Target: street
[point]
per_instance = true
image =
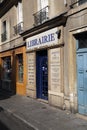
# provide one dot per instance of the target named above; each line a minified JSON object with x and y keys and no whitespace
{"x":9,"y":122}
{"x":24,"y":113}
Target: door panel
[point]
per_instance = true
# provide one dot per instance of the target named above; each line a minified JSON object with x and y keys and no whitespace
{"x":82,"y":82}
{"x":42,"y":75}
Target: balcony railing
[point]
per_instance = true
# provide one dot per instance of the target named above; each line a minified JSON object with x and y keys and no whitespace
{"x":41,"y":16}
{"x":3,"y":36}
{"x":18,"y":28}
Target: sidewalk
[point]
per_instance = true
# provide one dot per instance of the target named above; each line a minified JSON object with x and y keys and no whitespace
{"x":41,"y":116}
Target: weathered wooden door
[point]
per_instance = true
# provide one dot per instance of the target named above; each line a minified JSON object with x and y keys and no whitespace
{"x":82,"y":82}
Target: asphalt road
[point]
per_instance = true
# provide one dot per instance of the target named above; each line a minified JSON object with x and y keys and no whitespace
{"x":9,"y":122}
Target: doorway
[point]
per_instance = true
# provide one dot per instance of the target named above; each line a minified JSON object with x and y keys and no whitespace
{"x":42,"y":74}
{"x":82,"y":73}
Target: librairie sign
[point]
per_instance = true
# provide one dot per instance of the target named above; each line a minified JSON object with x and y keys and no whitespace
{"x":47,"y":38}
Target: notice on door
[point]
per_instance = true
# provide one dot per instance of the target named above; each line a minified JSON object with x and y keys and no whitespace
{"x":55,"y":69}
{"x":31,"y":69}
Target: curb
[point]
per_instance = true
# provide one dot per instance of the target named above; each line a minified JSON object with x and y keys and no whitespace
{"x":20,"y":118}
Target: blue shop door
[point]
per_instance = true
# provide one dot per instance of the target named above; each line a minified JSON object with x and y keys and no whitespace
{"x":82,"y":82}
{"x":42,"y":76}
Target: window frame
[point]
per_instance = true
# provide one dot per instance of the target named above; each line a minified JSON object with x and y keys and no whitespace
{"x":19,"y":74}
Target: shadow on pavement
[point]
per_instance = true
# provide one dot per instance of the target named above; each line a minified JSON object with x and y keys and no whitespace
{"x":1,"y":109}
{"x":4,"y":95}
{"x":2,"y":125}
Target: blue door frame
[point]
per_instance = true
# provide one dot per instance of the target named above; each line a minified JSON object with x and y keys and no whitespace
{"x":42,"y":75}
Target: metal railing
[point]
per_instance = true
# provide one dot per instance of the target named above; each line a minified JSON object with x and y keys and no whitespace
{"x":41,"y":16}
{"x":18,"y":28}
{"x":3,"y":36}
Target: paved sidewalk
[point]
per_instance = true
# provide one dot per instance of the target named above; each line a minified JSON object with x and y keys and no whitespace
{"x":41,"y":116}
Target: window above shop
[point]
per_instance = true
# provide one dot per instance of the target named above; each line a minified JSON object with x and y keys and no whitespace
{"x":42,"y":13}
{"x":82,"y":1}
{"x":4,"y":31}
{"x":18,"y":28}
{"x":75,"y":3}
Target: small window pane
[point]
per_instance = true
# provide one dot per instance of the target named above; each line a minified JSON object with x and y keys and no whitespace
{"x":7,"y":70}
{"x":82,"y":40}
{"x":82,"y":43}
{"x":20,"y":68}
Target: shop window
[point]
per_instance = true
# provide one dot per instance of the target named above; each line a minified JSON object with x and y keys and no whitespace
{"x":20,"y":68}
{"x":82,"y":40}
{"x":7,"y":69}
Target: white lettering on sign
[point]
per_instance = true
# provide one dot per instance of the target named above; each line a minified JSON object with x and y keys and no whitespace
{"x":48,"y":38}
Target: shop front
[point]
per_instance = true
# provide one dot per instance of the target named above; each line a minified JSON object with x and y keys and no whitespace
{"x":45,"y":66}
{"x":12,"y":71}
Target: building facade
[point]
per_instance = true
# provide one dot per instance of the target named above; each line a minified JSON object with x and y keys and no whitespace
{"x":76,"y":47}
{"x":45,"y":51}
{"x":47,"y":42}
{"x":12,"y":48}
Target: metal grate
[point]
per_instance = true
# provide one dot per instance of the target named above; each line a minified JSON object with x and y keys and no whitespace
{"x":41,"y":16}
{"x":3,"y":36}
{"x":18,"y":28}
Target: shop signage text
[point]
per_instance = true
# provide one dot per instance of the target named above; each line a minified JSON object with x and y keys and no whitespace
{"x":48,"y":38}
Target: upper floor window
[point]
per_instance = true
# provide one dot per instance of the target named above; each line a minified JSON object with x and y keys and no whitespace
{"x":42,"y":4}
{"x":19,"y":27}
{"x":42,"y":14}
{"x":82,"y":1}
{"x":19,"y":12}
{"x":4,"y":31}
{"x":77,"y":2}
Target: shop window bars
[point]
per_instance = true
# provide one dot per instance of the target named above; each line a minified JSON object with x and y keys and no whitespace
{"x":4,"y":36}
{"x":18,"y":28}
{"x":41,"y":16}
